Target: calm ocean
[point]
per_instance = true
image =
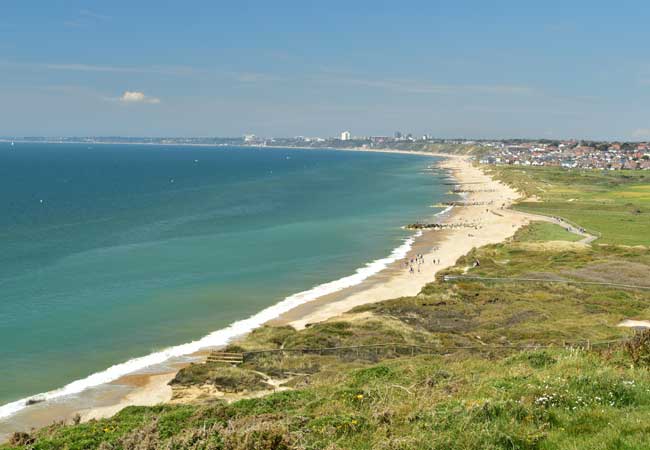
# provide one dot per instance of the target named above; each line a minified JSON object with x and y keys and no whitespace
{"x":111,"y":252}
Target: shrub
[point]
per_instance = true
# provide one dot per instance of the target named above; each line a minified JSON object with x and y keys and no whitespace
{"x":257,"y":433}
{"x":20,"y":438}
{"x":639,"y":348}
{"x":363,"y":377}
{"x":224,"y":378}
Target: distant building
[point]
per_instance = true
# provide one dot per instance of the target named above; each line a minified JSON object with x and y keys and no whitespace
{"x":398,"y":135}
{"x":345,"y":136}
{"x":250,"y":138}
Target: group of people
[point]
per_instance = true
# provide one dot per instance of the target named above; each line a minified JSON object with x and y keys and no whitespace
{"x":468,"y":203}
{"x":568,"y":226}
{"x":415,"y":263}
{"x":442,"y":226}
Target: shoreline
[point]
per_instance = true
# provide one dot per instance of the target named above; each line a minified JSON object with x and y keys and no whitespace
{"x":274,"y":147}
{"x":489,"y":223}
{"x":390,"y":282}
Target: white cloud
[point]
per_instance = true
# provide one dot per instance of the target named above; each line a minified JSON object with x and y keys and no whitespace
{"x":137,"y":97}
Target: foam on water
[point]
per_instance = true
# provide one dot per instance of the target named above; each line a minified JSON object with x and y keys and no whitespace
{"x":220,"y":337}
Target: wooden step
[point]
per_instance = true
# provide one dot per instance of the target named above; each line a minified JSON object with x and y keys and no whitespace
{"x":226,"y":357}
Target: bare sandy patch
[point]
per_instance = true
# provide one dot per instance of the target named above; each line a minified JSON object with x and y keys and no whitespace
{"x":635,"y":323}
{"x":553,"y":246}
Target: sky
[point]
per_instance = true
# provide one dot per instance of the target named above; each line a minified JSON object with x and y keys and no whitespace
{"x":473,"y":69}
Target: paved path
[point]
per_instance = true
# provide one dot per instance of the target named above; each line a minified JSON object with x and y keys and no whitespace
{"x":586,"y":237}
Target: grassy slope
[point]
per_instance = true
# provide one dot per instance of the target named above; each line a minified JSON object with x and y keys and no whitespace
{"x":484,"y":398}
{"x":544,"y":231}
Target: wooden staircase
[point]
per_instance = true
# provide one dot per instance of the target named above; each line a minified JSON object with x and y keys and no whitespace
{"x":226,"y":357}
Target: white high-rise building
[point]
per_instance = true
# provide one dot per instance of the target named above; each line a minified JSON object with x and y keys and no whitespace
{"x":345,"y":136}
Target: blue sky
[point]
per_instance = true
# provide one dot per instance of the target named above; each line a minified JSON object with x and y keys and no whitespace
{"x":285,"y":68}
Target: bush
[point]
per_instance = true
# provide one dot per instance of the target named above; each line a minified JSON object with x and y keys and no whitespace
{"x":364,"y":376}
{"x":639,"y":348}
{"x":257,"y":433}
{"x":224,"y":378}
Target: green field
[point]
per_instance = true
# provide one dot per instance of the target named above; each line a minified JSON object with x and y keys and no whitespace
{"x":615,"y":204}
{"x":509,"y":363}
{"x":544,"y":231}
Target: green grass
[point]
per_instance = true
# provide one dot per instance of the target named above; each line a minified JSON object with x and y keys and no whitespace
{"x":614,"y":204}
{"x":544,"y":231}
{"x":531,"y":400}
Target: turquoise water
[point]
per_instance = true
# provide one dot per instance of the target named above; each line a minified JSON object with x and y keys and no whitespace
{"x":112,"y":252}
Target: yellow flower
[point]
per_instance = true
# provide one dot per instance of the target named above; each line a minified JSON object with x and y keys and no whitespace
{"x":354,"y":422}
{"x":360,"y":396}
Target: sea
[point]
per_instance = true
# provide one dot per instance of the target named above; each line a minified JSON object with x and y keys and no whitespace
{"x":114,"y":258}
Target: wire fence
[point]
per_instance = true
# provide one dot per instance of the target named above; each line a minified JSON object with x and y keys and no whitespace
{"x":542,"y":280}
{"x":397,"y":349}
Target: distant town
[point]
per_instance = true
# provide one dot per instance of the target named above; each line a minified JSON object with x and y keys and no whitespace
{"x":570,"y":153}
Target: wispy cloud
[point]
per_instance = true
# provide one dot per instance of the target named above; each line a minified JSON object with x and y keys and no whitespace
{"x":255,"y":77}
{"x":495,"y":109}
{"x":80,"y":67}
{"x":86,"y":19}
{"x":641,"y":133}
{"x":419,"y":87}
{"x":94,"y":15}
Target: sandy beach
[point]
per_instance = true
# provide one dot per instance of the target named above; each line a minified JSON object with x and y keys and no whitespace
{"x":488,"y":222}
{"x":485,"y":220}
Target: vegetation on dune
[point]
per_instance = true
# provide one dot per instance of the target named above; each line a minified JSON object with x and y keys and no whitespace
{"x":223,"y":377}
{"x":530,"y":400}
{"x":580,"y":382}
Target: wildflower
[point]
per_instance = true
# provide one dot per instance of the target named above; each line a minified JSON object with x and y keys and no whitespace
{"x":360,"y":396}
